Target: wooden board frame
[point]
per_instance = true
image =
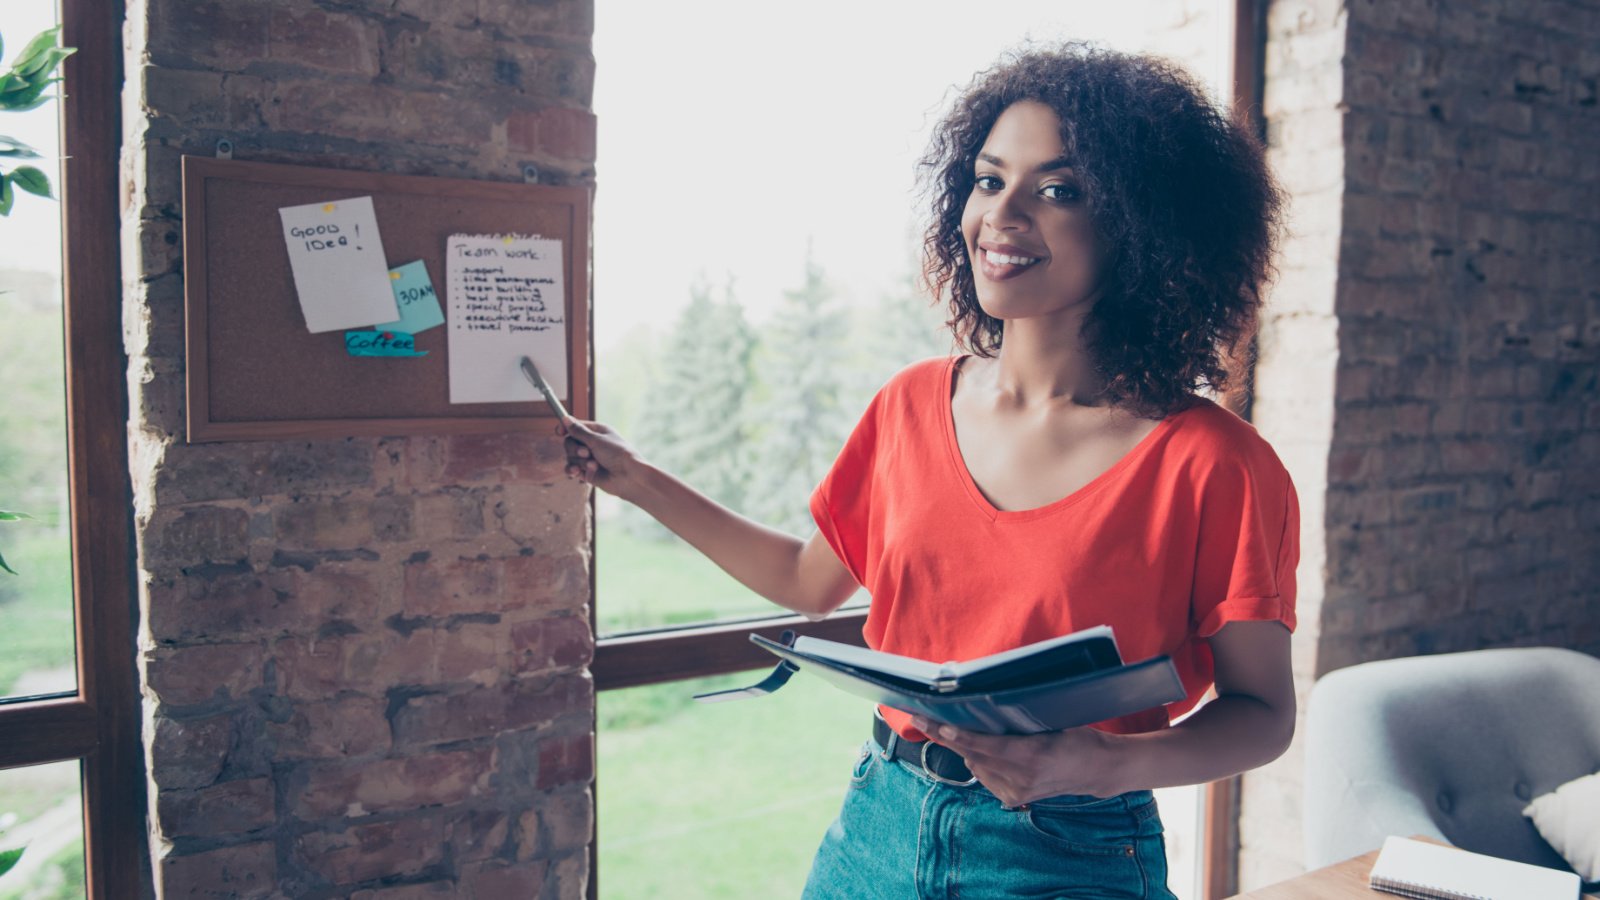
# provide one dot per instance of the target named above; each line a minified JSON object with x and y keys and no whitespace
{"x":231,"y":391}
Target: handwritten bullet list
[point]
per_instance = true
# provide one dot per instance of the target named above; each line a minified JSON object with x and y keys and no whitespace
{"x":493,"y":299}
{"x":506,"y":301}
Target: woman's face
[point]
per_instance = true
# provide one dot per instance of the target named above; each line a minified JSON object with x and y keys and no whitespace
{"x":1026,"y":222}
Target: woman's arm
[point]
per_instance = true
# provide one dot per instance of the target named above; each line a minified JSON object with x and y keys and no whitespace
{"x":804,"y":576}
{"x":1249,"y":724}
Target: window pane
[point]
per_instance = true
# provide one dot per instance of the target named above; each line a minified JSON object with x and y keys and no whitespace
{"x":721,"y":800}
{"x":755,"y":241}
{"x":41,"y":811}
{"x":755,"y":248}
{"x":35,"y":604}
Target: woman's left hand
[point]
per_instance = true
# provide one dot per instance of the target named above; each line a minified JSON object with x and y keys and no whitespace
{"x":1020,"y":769}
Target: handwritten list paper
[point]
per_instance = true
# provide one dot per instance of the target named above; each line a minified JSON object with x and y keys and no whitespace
{"x":339,"y":269}
{"x":506,"y":301}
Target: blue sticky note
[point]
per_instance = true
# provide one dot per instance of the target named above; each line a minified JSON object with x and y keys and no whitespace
{"x":381,"y":343}
{"x":419,"y":305}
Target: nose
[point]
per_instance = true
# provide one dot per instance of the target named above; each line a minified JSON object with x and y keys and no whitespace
{"x":1007,"y":213}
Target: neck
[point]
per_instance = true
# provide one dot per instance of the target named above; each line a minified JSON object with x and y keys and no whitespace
{"x":1045,"y":361}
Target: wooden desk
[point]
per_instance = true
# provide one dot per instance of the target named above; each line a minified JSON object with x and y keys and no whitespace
{"x":1340,"y":881}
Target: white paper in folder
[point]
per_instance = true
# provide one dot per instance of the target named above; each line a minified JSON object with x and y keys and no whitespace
{"x":507,"y":300}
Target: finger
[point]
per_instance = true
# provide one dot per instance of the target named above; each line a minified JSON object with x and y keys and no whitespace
{"x":965,"y":742}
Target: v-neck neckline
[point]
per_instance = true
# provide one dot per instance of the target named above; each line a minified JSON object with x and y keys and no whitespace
{"x":998,"y":515}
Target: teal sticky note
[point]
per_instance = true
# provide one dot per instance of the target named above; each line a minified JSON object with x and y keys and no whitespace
{"x":381,"y":343}
{"x":419,"y":305}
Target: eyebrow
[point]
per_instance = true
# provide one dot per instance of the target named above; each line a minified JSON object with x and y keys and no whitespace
{"x":1060,"y":162}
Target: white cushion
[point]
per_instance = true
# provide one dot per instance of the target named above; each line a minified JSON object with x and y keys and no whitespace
{"x":1568,"y":818}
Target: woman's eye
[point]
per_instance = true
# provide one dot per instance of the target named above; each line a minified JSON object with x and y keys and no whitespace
{"x":1062,"y":193}
{"x":987,"y":183}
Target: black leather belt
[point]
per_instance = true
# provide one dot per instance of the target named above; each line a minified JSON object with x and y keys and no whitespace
{"x":938,"y":761}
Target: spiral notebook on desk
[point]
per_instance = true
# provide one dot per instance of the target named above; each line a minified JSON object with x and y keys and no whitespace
{"x":1419,"y":869}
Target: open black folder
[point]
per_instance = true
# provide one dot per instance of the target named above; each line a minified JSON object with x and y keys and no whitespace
{"x":1060,"y":683}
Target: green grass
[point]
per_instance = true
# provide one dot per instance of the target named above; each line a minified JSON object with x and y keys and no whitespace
{"x":642,"y":583}
{"x":29,"y":792}
{"x":709,"y":801}
{"x":35,"y":604}
{"x":62,"y":878}
{"x":723,"y":800}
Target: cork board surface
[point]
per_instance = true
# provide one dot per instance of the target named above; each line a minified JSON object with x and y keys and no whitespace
{"x":253,"y":370}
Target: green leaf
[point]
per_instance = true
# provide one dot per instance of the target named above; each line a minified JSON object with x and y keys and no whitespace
{"x":34,"y":104}
{"x":10,"y":515}
{"x":42,"y":42}
{"x":46,"y":63}
{"x":12,"y":571}
{"x":7,"y":81}
{"x":20,"y":99}
{"x":32,"y":180}
{"x":9,"y":858}
{"x":7,"y":197}
{"x":10,"y":146}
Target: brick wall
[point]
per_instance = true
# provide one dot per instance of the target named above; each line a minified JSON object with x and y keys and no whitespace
{"x":364,"y":661}
{"x":1429,"y":365}
{"x":1463,"y":500}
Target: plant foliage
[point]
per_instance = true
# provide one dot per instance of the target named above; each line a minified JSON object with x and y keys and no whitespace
{"x":9,"y":859}
{"x":22,"y":87}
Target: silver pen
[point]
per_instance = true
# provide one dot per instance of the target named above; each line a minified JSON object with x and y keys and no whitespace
{"x":537,"y":380}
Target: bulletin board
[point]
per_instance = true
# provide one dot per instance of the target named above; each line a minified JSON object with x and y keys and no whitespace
{"x":254,"y":371}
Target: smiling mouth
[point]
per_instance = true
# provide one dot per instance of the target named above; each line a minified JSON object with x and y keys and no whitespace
{"x":997,"y":266}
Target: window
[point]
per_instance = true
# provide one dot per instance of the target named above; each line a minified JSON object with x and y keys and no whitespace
{"x":76,"y":728}
{"x":755,"y":256}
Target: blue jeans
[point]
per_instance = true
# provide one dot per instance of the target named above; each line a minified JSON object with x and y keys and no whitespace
{"x":903,"y":836}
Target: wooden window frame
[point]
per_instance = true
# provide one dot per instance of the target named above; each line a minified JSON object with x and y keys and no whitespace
{"x":675,"y":654}
{"x":99,"y":726}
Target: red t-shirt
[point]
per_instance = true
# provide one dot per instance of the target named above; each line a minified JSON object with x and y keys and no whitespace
{"x":1196,"y":527}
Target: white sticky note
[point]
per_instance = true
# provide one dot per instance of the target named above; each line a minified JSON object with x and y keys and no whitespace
{"x":339,"y":268}
{"x":506,"y":300}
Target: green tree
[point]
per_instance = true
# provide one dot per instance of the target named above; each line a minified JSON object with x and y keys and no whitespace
{"x":799,"y":423}
{"x":691,"y":417}
{"x":901,"y":327}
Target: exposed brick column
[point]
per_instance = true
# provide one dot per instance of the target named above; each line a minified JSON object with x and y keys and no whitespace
{"x":364,"y":660}
{"x":1464,"y":497}
{"x":1429,"y":367}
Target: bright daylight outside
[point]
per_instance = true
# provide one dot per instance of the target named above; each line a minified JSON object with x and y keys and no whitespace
{"x":756,"y":239}
{"x":39,"y":805}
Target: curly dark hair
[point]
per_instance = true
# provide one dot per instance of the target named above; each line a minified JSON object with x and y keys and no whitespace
{"x":1180,"y":197}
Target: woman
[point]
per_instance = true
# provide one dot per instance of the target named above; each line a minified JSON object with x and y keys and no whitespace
{"x":1101,"y":234}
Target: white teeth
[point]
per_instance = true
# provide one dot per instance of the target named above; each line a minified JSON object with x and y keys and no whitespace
{"x":1004,"y":260}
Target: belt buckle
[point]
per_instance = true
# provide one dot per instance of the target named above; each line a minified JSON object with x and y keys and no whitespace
{"x":940,"y":778}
